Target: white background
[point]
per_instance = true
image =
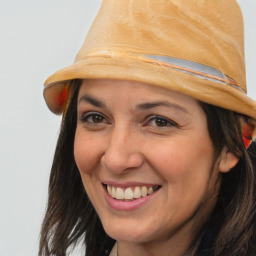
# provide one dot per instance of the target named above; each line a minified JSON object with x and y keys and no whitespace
{"x":38,"y":37}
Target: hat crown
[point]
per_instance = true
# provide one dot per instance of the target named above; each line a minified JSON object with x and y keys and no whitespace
{"x":209,"y":32}
{"x":195,"y":47}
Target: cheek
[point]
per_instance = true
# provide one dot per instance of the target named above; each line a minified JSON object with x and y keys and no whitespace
{"x":86,"y":152}
{"x":185,"y":165}
{"x":87,"y":158}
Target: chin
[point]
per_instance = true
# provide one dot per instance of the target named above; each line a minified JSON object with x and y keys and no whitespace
{"x":129,"y":232}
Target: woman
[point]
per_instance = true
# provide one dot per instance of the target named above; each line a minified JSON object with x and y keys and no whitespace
{"x":152,"y":156}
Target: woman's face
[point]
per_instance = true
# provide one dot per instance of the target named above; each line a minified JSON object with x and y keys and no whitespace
{"x":146,"y":159}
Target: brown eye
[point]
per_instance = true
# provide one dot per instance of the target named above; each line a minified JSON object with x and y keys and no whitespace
{"x":161,"y":122}
{"x":97,"y":119}
{"x":93,"y":118}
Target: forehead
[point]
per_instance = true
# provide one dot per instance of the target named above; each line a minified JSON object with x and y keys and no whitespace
{"x":114,"y":90}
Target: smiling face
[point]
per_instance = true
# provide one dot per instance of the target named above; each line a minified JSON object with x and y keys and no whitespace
{"x":146,"y":160}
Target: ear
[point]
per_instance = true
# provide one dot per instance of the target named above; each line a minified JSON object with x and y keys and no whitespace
{"x":227,"y":160}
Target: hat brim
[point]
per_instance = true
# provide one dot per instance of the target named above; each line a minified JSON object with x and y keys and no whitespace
{"x":115,"y":67}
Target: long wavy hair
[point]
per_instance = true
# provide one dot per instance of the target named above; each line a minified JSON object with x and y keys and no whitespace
{"x":70,"y":216}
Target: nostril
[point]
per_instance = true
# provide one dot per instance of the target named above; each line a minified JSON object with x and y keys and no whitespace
{"x":122,"y":161}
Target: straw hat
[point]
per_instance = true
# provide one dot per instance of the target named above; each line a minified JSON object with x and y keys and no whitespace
{"x":195,"y":47}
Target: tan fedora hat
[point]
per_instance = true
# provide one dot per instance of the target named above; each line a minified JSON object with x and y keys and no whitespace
{"x":195,"y":47}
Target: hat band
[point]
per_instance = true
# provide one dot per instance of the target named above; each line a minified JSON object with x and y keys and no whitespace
{"x":185,"y":66}
{"x":196,"y":69}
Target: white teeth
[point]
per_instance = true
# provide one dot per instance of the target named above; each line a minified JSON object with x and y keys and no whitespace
{"x":129,"y":193}
{"x":109,"y":189}
{"x":119,"y":193}
{"x":144,"y":191}
{"x":137,"y":192}
{"x":113,"y":192}
{"x":150,"y":191}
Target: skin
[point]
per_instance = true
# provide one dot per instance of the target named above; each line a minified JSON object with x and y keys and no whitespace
{"x":119,"y":140}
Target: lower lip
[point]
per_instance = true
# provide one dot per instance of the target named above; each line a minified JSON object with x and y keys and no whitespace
{"x":128,"y":205}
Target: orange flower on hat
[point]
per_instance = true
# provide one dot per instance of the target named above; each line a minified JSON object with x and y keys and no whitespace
{"x":248,"y":132}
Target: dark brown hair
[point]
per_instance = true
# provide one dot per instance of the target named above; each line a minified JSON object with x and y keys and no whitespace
{"x":235,"y":207}
{"x":70,"y":215}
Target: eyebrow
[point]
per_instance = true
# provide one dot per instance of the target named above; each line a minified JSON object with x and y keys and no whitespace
{"x":150,"y":105}
{"x":92,"y":100}
{"x":142,"y":106}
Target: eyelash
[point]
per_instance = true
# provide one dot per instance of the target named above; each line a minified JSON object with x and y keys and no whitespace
{"x":165,"y":121}
{"x":168,"y":122}
{"x":85,"y":118}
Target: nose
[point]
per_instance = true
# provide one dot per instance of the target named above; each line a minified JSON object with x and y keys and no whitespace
{"x":122,"y":152}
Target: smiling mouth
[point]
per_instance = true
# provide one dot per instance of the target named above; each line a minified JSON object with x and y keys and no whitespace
{"x":130,"y":193}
